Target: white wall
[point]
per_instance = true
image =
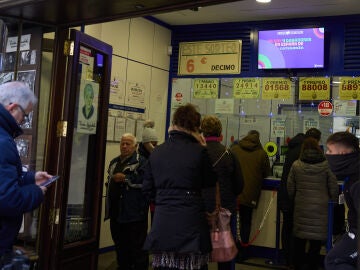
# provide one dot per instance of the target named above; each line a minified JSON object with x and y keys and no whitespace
{"x":139,"y":56}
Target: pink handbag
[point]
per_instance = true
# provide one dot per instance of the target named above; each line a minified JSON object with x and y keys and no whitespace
{"x":223,"y":244}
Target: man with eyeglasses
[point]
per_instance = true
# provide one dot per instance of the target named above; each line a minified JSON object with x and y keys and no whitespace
{"x":20,"y":192}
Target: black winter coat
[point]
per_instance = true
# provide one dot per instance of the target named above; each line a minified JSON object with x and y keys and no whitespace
{"x":228,"y":174}
{"x":177,"y":172}
{"x":283,"y":202}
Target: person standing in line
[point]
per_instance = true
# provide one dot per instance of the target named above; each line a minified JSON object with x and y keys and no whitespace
{"x":283,"y":201}
{"x":255,"y":165}
{"x":126,"y":206}
{"x":149,"y":139}
{"x":343,"y":155}
{"x":228,"y":174}
{"x":147,"y":145}
{"x":20,"y":191}
{"x":311,"y":185}
{"x":177,"y":172}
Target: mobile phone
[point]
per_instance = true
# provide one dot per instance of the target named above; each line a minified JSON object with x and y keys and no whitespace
{"x":50,"y":181}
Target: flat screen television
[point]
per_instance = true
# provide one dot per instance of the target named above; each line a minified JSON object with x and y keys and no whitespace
{"x":291,"y":48}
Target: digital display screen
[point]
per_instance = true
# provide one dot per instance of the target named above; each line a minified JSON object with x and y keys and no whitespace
{"x":291,"y":48}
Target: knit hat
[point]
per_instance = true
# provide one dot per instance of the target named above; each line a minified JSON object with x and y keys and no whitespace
{"x":149,"y":133}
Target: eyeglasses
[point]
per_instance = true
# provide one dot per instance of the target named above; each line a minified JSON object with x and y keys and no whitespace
{"x":25,"y":115}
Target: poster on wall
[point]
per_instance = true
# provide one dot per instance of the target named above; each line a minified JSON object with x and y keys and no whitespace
{"x":28,"y":58}
{"x":110,"y":128}
{"x":12,"y":43}
{"x":6,"y":77}
{"x":276,"y":88}
{"x":248,"y":88}
{"x":345,"y":107}
{"x":224,"y":106}
{"x":135,"y":94}
{"x":349,"y":88}
{"x":23,"y":145}
{"x":315,"y":88}
{"x":87,"y":61}
{"x":117,"y":91}
{"x":310,"y":122}
{"x":88,"y":103}
{"x":206,"y":88}
{"x":8,"y":61}
{"x":28,"y":77}
{"x":278,"y":126}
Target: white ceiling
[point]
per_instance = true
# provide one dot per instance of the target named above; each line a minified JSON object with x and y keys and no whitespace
{"x":250,"y":10}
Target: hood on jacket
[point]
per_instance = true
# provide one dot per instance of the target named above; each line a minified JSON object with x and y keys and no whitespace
{"x":250,"y":142}
{"x":297,"y":140}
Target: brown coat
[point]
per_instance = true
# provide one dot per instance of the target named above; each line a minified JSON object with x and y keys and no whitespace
{"x":255,"y":166}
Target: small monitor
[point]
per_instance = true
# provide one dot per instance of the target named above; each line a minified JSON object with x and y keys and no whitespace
{"x":291,"y":48}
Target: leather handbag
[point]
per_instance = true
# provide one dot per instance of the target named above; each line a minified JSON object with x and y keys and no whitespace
{"x":223,"y":244}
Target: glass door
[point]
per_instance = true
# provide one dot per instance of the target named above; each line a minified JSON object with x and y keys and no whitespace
{"x":77,"y":153}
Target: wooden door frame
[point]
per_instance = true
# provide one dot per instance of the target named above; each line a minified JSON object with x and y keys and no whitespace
{"x":58,"y":151}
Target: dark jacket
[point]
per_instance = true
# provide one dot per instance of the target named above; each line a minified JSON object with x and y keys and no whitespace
{"x":177,"y":172}
{"x":142,"y":151}
{"x":346,"y":168}
{"x":124,"y":201}
{"x":229,"y":176}
{"x":311,"y":185}
{"x":18,"y":192}
{"x":284,"y":203}
{"x":255,"y":166}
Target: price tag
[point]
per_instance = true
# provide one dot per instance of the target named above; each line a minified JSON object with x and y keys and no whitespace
{"x":206,"y":88}
{"x":276,"y":88}
{"x":349,"y":88}
{"x":314,"y":88}
{"x":246,"y":88}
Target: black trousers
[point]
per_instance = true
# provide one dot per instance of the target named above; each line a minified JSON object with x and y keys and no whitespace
{"x":129,"y":239}
{"x":306,"y":260}
{"x":287,"y":237}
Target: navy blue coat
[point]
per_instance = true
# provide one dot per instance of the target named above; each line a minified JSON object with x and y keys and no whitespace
{"x":177,"y":172}
{"x":18,"y":192}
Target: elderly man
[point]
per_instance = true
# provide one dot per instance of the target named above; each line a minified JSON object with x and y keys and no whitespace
{"x":20,"y":192}
{"x":126,"y":207}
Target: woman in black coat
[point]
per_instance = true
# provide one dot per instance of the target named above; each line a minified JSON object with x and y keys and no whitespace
{"x":177,"y":172}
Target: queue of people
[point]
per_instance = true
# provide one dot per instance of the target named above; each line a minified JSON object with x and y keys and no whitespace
{"x":178,"y":177}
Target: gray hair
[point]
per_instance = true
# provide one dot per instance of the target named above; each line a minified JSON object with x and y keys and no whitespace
{"x":131,"y":136}
{"x":16,"y":92}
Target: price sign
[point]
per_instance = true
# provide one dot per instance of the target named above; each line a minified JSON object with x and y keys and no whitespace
{"x":325,"y":108}
{"x":246,"y":88}
{"x":206,"y":88}
{"x":349,"y":88}
{"x":276,"y":88}
{"x":314,"y":88}
{"x":210,"y":57}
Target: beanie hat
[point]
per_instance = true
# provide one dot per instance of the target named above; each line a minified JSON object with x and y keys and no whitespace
{"x":149,"y":133}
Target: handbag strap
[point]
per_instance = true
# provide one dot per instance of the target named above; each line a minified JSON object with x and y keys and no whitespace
{"x":217,"y":194}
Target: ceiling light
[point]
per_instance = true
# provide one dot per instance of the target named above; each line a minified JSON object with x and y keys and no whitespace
{"x":263,"y":1}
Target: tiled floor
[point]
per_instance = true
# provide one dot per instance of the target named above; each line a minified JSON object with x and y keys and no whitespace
{"x":107,"y":262}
